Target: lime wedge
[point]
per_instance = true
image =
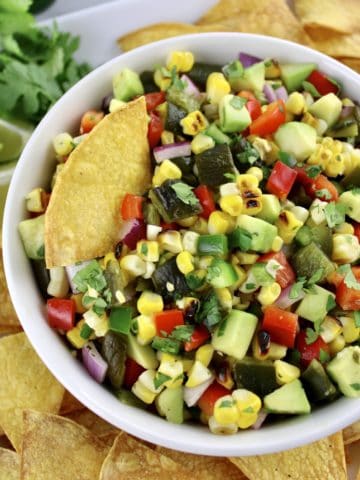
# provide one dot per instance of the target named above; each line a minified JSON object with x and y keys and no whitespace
{"x":12,"y":140}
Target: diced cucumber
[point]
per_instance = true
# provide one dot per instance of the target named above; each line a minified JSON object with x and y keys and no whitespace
{"x":270,"y":208}
{"x":315,"y":305}
{"x":216,"y":244}
{"x":127,"y":85}
{"x":304,"y":236}
{"x":290,"y":398}
{"x":144,"y":355}
{"x":258,"y":376}
{"x":252,"y":79}
{"x":262,"y":233}
{"x":222,"y":274}
{"x":344,"y":369}
{"x":32,"y":232}
{"x":170,"y":404}
{"x":327,"y":107}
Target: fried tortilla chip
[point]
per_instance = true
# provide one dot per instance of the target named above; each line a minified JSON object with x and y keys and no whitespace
{"x":57,"y":448}
{"x":83,"y":217}
{"x":324,"y":459}
{"x":336,"y":45}
{"x":92,"y":422}
{"x":229,"y":8}
{"x":25,"y":383}
{"x":353,"y":63}
{"x":211,"y":468}
{"x":128,"y":458}
{"x":9,"y":465}
{"x":70,"y":404}
{"x":9,"y":322}
{"x":159,"y":31}
{"x":334,"y":15}
{"x":352,"y":433}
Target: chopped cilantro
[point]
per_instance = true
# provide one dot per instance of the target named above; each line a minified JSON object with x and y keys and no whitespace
{"x":324,"y":356}
{"x":182,"y":333}
{"x":226,"y":404}
{"x":233,"y":69}
{"x":323,"y":193}
{"x":355,"y":190}
{"x":41,"y":251}
{"x":90,"y":276}
{"x":334,"y":214}
{"x":355,"y":386}
{"x":194,"y":281}
{"x":166,"y":345}
{"x":248,"y":410}
{"x":250,"y":286}
{"x":213,"y":271}
{"x":311,"y":336}
{"x":238,"y":102}
{"x":86,"y":331}
{"x":230,"y":176}
{"x":209,"y":312}
{"x":184,"y":193}
{"x":99,"y":306}
{"x":315,"y":277}
{"x":144,"y":249}
{"x":349,"y":279}
{"x":297,"y":288}
{"x":160,"y":379}
{"x":357,"y":319}
{"x":330,"y":304}
{"x":313,"y":171}
{"x":309,"y":87}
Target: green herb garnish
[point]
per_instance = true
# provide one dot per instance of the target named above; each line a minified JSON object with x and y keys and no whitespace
{"x":238,"y":102}
{"x":182,"y":333}
{"x":90,"y":276}
{"x":313,"y":171}
{"x":309,"y":87}
{"x":160,"y":379}
{"x":349,"y":279}
{"x":357,"y":319}
{"x":209,"y":312}
{"x":323,"y":356}
{"x":334,"y":214}
{"x":184,"y":193}
{"x":355,"y":386}
{"x":166,"y":345}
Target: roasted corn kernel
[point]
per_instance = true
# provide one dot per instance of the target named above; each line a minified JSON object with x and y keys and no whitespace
{"x":295,"y":103}
{"x":190,"y":240}
{"x":34,"y":201}
{"x":220,"y":222}
{"x":182,"y":61}
{"x":248,"y":405}
{"x":133,"y":264}
{"x":350,"y":331}
{"x":232,"y":204}
{"x":167,"y":137}
{"x":146,"y":329}
{"x":170,"y":241}
{"x":194,"y":123}
{"x":148,"y":250}
{"x":217,"y":87}
{"x":246,"y":182}
{"x":149,"y":303}
{"x":346,"y":248}
{"x":288,"y":225}
{"x":268,"y":294}
{"x":166,"y":171}
{"x":100,"y":324}
{"x":219,"y":429}
{"x":328,"y":154}
{"x":63,"y":144}
{"x":185,"y":262}
{"x":198,"y":374}
{"x":225,"y":411}
{"x":174,"y":370}
{"x":140,"y":391}
{"x":256,"y":172}
{"x":201,"y":142}
{"x":229,"y":189}
{"x":330,"y":329}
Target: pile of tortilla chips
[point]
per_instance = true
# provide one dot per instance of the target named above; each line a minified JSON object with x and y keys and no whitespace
{"x":331,"y":26}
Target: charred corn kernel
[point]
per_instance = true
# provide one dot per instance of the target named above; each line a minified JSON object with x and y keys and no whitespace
{"x":77,"y":298}
{"x":246,"y":182}
{"x":240,"y":272}
{"x":185,"y":262}
{"x":247,"y":258}
{"x":146,"y":329}
{"x":133,"y":264}
{"x":174,"y":370}
{"x":225,"y":298}
{"x":232,"y":204}
{"x":200,"y":226}
{"x":285,"y":372}
{"x":63,"y":144}
{"x":344,"y":228}
{"x":346,"y":248}
{"x":201,"y":142}
{"x":246,"y":420}
{"x":188,"y":222}
{"x":256,"y":172}
{"x":198,"y":374}
{"x":186,"y":302}
{"x":147,"y":380}
{"x":295,"y":103}
{"x":170,"y":241}
{"x":162,"y":79}
{"x":229,"y":189}
{"x":100,"y":324}
{"x":219,"y":429}
{"x":330,"y":329}
{"x":225,"y":411}
{"x":34,"y":201}
{"x":220,"y":222}
{"x":268,"y":294}
{"x":317,"y":123}
{"x":166,"y":171}
{"x":300,"y":213}
{"x":246,"y":401}
{"x":217,"y":87}
{"x":337,"y":345}
{"x":167,"y":137}
{"x":116,"y":105}
{"x":190,"y":240}
{"x":182,"y":61}
{"x":140,"y":391}
{"x":350,"y":331}
{"x":148,"y":250}
{"x":74,"y":337}
{"x":317,"y":211}
{"x":149,"y":303}
{"x":204,"y":354}
{"x":277,"y":244}
{"x":263,"y":147}
{"x":288,"y":225}
{"x":187,"y":364}
{"x":252,"y":201}
{"x":194,"y":123}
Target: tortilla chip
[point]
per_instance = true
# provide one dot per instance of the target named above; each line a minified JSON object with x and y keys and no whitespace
{"x":9,"y":465}
{"x":129,"y":458}
{"x":92,"y":422}
{"x":25,"y":383}
{"x":211,"y":468}
{"x":9,"y":322}
{"x":353,"y":63}
{"x":159,"y":31}
{"x":334,"y":15}
{"x":324,"y":459}
{"x":83,"y":217}
{"x":70,"y":404}
{"x":5,"y":443}
{"x":229,"y":8}
{"x":336,"y":45}
{"x":352,"y":433}
{"x":57,"y":448}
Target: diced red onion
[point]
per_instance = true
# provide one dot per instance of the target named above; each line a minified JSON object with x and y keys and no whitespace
{"x":346,"y":111}
{"x":94,"y":363}
{"x":191,"y":88}
{"x":248,"y":60}
{"x":260,"y":420}
{"x":269,"y":93}
{"x":71,"y":271}
{"x":192,"y":394}
{"x":284,"y":301}
{"x":131,"y":231}
{"x":172,"y":150}
{"x":281,"y":93}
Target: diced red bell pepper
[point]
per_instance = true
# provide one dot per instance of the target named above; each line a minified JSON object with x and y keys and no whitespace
{"x":357,"y":230}
{"x":253,"y":105}
{"x":349,"y":298}
{"x":155,"y":129}
{"x":207,"y":400}
{"x":281,"y":325}
{"x":269,"y":121}
{"x":132,"y":372}
{"x":322,"y":84}
{"x":335,"y":278}
{"x":167,"y":320}
{"x":154,"y":99}
{"x":309,"y":351}
{"x":318,"y":187}
{"x":281,"y":180}
{"x":169,"y":226}
{"x":198,"y":337}
{"x":61,"y":313}
{"x":285,"y":276}
{"x":131,"y":207}
{"x":89,"y":120}
{"x":206,"y":199}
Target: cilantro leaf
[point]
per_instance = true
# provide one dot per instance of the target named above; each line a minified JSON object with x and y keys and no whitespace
{"x":334,"y":214}
{"x":166,"y":345}
{"x":238,"y":102}
{"x":194,"y":281}
{"x":90,"y":276}
{"x":313,"y":171}
{"x":160,"y":378}
{"x":324,"y":356}
{"x":323,"y":194}
{"x":296,"y":289}
{"x":226,"y":404}
{"x":330,"y":304}
{"x":184,"y":193}
{"x":209,"y":312}
{"x":230,"y":176}
{"x":349,"y":279}
{"x":357,"y":319}
{"x":233,"y":69}
{"x":355,"y":386}
{"x":311,"y":336}
{"x":182,"y":333}
{"x":287,"y":159}
{"x":315,"y":277}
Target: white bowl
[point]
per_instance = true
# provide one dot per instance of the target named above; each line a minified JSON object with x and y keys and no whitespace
{"x":34,"y":169}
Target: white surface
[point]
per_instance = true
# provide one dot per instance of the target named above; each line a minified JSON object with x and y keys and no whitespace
{"x":34,"y":169}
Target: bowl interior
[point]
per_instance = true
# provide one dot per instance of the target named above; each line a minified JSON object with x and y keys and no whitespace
{"x":34,"y":169}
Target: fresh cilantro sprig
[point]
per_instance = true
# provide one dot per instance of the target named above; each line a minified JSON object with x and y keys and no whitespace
{"x":185,"y":193}
{"x":349,"y":278}
{"x":303,"y":283}
{"x":334,"y":214}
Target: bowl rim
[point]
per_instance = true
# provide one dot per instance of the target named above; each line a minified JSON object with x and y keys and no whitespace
{"x":150,"y":427}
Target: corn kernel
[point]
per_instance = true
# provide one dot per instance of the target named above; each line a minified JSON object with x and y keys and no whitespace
{"x":252,"y":199}
{"x":34,"y":201}
{"x":77,"y":298}
{"x":194,"y":123}
{"x":285,"y":372}
{"x":232,"y":204}
{"x":295,"y":103}
{"x":146,"y":329}
{"x":225,"y":298}
{"x":268,"y":294}
{"x":63,"y":144}
{"x":201,"y":142}
{"x":329,"y":155}
{"x":246,"y":182}
{"x":220,"y":222}
{"x":188,"y":222}
{"x":317,"y":211}
{"x":350,"y":331}
{"x":166,"y":171}
{"x":200,"y":226}
{"x":247,"y":258}
{"x":148,"y":250}
{"x":185,"y":262}
{"x":288,"y":225}
{"x":170,"y":241}
{"x":241,"y":274}
{"x":217,"y":87}
{"x":190,"y":240}
{"x":140,"y":391}
{"x":330,"y":329}
{"x":74,"y":337}
{"x":256,"y":172}
{"x":246,"y":401}
{"x":300,"y":213}
{"x":198,"y":374}
{"x":173,"y":369}
{"x":337,"y":345}
{"x":182,"y":61}
{"x":152,"y":231}
{"x":246,"y":421}
{"x":225,"y":411}
{"x":219,"y":429}
{"x":344,"y":228}
{"x":133,"y":264}
{"x":167,"y":137}
{"x":264,"y":148}
{"x":149,"y":303}
{"x":161,"y":80}
{"x":346,"y":248}
{"x":277,"y":244}
{"x":229,"y":189}
{"x":204,"y":354}
{"x":147,"y":378}
{"x":100,"y":324}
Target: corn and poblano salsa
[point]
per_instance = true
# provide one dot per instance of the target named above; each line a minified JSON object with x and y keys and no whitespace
{"x":232,"y":293}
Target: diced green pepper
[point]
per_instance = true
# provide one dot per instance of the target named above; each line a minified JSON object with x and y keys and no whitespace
{"x":120,"y":319}
{"x":212,"y":245}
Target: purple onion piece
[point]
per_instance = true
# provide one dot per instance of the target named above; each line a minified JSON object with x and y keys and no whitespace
{"x":248,"y":60}
{"x":284,"y":301}
{"x":346,"y":111}
{"x":131,"y":231}
{"x":269,"y":93}
{"x":281,"y":93}
{"x":191,"y":88}
{"x":94,"y":363}
{"x":72,"y":270}
{"x":260,"y":420}
{"x":172,"y":150}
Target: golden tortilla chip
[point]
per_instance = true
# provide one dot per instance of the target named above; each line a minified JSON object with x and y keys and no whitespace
{"x":70,"y":404}
{"x":335,"y":15}
{"x":353,"y":63}
{"x":92,"y":422}
{"x":9,"y":322}
{"x":57,"y":448}
{"x":83,"y":217}
{"x":25,"y":383}
{"x":352,"y":433}
{"x":324,"y":459}
{"x":5,"y":442}
{"x":336,"y":45}
{"x":128,"y":458}
{"x":9,"y":465}
{"x":159,"y":31}
{"x":211,"y":468}
{"x":229,"y":8}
